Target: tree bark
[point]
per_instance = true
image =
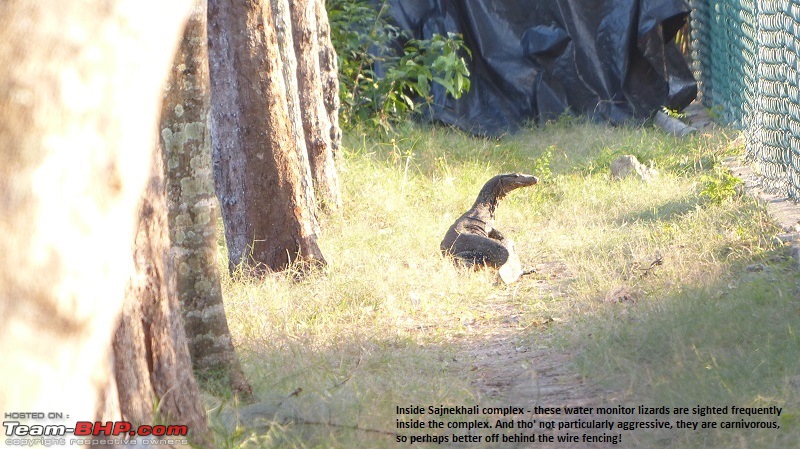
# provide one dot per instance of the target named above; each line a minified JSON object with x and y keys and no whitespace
{"x":316,"y":121}
{"x":79,"y":89}
{"x":151,"y":357}
{"x":329,"y":75}
{"x":256,"y":168}
{"x":283,"y":29}
{"x":192,"y":209}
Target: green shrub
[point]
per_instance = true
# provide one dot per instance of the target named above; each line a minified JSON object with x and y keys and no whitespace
{"x":720,"y":186}
{"x":380,"y":85}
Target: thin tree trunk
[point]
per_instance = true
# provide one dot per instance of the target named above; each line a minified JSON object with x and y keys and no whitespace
{"x":79,"y":89}
{"x":316,"y":121}
{"x":151,"y":357}
{"x":283,"y":30}
{"x":192,"y":209}
{"x":256,"y":168}
{"x":329,"y":75}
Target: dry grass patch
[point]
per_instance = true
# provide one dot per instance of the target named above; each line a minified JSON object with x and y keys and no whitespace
{"x":391,"y":322}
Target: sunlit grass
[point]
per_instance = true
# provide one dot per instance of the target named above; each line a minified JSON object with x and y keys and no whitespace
{"x":390,"y":321}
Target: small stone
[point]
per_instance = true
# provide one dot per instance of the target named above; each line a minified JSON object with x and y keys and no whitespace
{"x":628,"y":165}
{"x":795,"y":254}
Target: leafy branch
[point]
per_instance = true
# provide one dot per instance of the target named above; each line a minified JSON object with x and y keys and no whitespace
{"x":382,"y":83}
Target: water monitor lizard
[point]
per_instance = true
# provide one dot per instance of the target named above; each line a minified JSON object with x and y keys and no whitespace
{"x":474,"y":241}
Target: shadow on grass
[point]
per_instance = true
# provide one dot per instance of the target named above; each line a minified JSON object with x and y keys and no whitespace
{"x":730,"y":342}
{"x":662,"y":213}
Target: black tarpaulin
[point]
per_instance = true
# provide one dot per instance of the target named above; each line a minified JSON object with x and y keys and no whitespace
{"x":611,"y":60}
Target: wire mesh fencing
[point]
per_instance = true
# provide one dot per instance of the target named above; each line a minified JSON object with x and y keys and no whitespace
{"x":745,"y":58}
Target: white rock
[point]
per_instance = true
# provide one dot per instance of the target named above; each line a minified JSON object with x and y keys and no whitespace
{"x":512,"y":269}
{"x":628,"y":165}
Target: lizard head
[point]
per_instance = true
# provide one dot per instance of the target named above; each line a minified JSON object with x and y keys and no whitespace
{"x":500,"y":185}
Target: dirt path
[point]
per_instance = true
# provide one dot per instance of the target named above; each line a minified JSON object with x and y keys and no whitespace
{"x":509,"y":375}
{"x":510,"y":369}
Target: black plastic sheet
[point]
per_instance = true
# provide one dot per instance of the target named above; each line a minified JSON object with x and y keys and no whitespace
{"x":611,"y":60}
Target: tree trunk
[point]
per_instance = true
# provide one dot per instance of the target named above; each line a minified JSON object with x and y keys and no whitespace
{"x":329,"y":75}
{"x":256,"y":168}
{"x":192,"y":209}
{"x":283,"y":30}
{"x":79,"y":89}
{"x":152,"y":366}
{"x":316,"y":121}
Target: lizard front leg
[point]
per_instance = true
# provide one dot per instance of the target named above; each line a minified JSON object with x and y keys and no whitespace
{"x":496,"y":235}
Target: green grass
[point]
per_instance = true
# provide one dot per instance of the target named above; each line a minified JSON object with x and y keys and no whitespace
{"x":728,"y":342}
{"x":391,"y":322}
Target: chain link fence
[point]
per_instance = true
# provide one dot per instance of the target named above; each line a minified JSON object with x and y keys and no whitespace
{"x":746,"y":55}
